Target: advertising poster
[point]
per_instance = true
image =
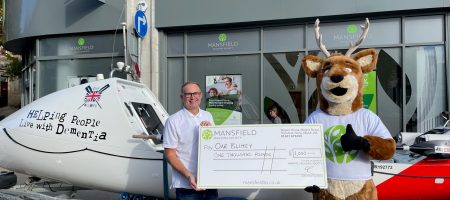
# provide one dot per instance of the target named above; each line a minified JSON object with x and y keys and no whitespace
{"x":223,"y":98}
{"x":370,"y":91}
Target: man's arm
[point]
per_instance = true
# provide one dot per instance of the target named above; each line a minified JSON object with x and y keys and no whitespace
{"x":171,"y":156}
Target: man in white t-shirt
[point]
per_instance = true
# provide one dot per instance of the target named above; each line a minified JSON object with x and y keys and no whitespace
{"x":181,"y":144}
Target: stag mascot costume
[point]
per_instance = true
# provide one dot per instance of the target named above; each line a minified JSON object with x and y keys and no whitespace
{"x":353,"y":134}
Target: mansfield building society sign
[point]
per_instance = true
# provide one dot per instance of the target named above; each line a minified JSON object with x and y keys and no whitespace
{"x":247,"y":40}
{"x":81,"y":47}
{"x":223,"y":43}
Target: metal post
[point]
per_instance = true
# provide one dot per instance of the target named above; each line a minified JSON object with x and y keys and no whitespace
{"x":166,"y":178}
{"x":124,"y":31}
{"x":139,"y":51}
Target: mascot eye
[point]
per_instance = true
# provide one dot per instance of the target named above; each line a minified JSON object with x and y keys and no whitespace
{"x":348,"y":70}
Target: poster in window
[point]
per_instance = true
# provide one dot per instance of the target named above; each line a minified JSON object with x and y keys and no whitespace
{"x":370,"y":91}
{"x":223,"y":98}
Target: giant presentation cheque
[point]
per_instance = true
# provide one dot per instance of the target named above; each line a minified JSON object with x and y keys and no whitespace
{"x":261,"y":156}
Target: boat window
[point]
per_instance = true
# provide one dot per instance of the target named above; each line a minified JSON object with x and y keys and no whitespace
{"x":149,"y":119}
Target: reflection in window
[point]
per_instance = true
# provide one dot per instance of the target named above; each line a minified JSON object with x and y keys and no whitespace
{"x":175,"y":44}
{"x":277,"y":110}
{"x":175,"y":73}
{"x":425,"y":68}
{"x":26,"y":86}
{"x":284,"y":83}
{"x":56,"y":74}
{"x":389,"y":89}
{"x":417,"y":29}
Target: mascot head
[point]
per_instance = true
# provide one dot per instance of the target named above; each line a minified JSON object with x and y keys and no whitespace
{"x":339,"y":78}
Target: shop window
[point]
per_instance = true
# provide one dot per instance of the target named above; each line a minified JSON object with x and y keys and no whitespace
{"x":389,"y":89}
{"x":383,"y":32}
{"x":339,"y":35}
{"x":77,"y":45}
{"x":284,"y":86}
{"x":26,"y":86}
{"x":57,"y":74}
{"x":425,"y":68}
{"x":244,"y":70}
{"x":282,"y":39}
{"x":175,"y":74}
{"x":33,"y":82}
{"x":175,"y":44}
{"x":424,"y":29}
{"x":226,"y":41}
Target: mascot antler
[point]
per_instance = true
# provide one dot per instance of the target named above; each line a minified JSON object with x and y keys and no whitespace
{"x":352,"y":48}
{"x":363,"y":36}
{"x":319,"y":39}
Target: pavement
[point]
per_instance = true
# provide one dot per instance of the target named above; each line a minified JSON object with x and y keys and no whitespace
{"x":81,"y":194}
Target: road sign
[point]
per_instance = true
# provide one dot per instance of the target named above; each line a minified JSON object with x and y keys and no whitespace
{"x":140,"y":23}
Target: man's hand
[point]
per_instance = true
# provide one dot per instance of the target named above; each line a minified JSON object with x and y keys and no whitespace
{"x":172,"y":158}
{"x":205,"y":123}
{"x":350,"y":141}
{"x":193,"y":182}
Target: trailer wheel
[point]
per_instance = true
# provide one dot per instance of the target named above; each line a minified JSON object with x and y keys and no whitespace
{"x":124,"y":196}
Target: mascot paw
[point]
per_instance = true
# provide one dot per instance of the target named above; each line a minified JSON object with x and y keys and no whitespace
{"x":350,"y":141}
{"x":312,"y":189}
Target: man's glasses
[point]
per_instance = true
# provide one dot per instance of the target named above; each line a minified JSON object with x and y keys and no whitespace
{"x":193,"y":94}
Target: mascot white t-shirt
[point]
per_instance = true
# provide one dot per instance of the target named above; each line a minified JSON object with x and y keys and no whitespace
{"x":351,"y":165}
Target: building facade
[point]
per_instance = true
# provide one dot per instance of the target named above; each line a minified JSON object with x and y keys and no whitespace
{"x":63,"y":43}
{"x":262,"y":43}
{"x":259,"y":43}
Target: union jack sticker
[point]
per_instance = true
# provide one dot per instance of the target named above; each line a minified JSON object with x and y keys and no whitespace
{"x":93,"y":96}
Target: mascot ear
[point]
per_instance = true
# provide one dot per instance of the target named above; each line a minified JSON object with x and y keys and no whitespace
{"x":312,"y":64}
{"x":367,"y":59}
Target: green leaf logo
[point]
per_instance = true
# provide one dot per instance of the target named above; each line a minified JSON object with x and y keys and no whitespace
{"x":352,"y":28}
{"x":333,"y":147}
{"x":222,"y":37}
{"x":207,"y":134}
{"x":81,"y":41}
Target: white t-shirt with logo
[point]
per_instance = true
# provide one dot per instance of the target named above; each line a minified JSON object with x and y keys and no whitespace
{"x":181,"y":132}
{"x":352,"y":165}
